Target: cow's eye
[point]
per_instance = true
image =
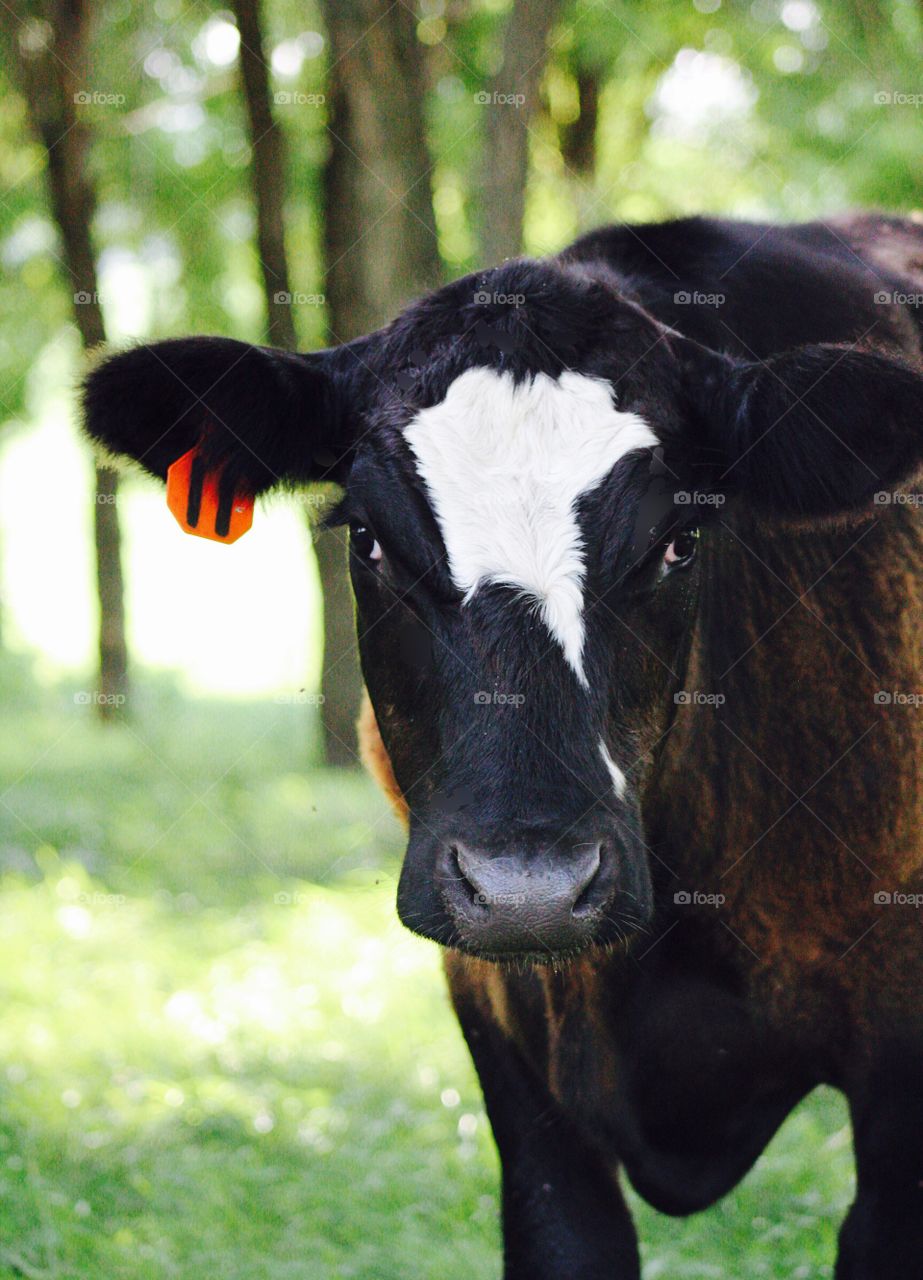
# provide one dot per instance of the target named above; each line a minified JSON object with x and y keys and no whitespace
{"x":364,"y":543}
{"x":682,"y":549}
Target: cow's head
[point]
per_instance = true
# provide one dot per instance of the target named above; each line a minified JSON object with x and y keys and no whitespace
{"x":511,"y":449}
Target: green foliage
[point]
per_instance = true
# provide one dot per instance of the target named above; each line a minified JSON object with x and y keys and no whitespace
{"x":33,"y":305}
{"x":776,"y":116}
{"x":220,"y":1054}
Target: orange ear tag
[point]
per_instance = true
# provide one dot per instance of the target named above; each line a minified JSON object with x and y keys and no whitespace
{"x":193,"y":497}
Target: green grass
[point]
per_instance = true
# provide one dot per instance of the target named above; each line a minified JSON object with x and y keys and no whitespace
{"x":220,"y":1055}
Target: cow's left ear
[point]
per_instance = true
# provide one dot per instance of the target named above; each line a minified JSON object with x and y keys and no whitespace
{"x":259,"y":417}
{"x":814,"y":433}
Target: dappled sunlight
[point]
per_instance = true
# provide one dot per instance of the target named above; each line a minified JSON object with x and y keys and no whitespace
{"x":208,"y":999}
{"x":309,"y":1031}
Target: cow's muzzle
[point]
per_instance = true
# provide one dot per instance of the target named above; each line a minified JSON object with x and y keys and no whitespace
{"x":541,"y":899}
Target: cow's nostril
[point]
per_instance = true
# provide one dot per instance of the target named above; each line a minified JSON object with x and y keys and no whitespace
{"x":469,"y":889}
{"x":587,"y":897}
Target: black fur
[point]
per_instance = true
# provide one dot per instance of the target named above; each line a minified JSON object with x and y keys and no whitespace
{"x":810,"y":431}
{"x":262,"y":417}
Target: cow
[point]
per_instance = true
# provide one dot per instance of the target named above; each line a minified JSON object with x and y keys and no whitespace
{"x":636,"y":557}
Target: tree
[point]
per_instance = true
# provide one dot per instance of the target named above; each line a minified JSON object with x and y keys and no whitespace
{"x":511,"y":103}
{"x":267,"y":175}
{"x":380,"y":250}
{"x":381,"y":245}
{"x":341,"y":683}
{"x":578,"y":139}
{"x":52,"y":42}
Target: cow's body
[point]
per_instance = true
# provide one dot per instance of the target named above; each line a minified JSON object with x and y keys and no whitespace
{"x":704,"y":803}
{"x":797,"y":801}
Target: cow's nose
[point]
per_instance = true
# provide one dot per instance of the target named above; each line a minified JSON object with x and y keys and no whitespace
{"x":546,"y":900}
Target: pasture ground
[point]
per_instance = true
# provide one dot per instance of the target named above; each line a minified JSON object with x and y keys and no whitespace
{"x":221,"y":1055}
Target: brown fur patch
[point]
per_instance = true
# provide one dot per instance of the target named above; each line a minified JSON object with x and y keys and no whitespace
{"x":484,"y":983}
{"x":373,"y":755}
{"x":514,"y":1003}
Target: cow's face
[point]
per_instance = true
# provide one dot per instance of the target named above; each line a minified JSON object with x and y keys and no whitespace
{"x":517,"y":453}
{"x":522,"y":608}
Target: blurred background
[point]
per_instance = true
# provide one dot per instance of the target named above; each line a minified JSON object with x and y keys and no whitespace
{"x":219,"y":1052}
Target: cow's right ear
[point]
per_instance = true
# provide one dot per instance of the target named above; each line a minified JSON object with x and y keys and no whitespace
{"x":258,"y":416}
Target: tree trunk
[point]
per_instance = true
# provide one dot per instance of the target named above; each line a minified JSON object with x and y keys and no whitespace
{"x":381,"y":242}
{"x":511,"y":103}
{"x":53,"y":58}
{"x":351,"y":310}
{"x":380,"y":249}
{"x":578,"y":140}
{"x":267,"y":175}
{"x":341,"y":683}
{"x":113,"y":655}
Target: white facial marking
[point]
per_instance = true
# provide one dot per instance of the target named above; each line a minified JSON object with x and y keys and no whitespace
{"x":505,"y":466}
{"x":619,"y":781}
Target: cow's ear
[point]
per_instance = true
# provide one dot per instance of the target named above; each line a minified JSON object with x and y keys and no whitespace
{"x":816,"y":432}
{"x":259,"y":417}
